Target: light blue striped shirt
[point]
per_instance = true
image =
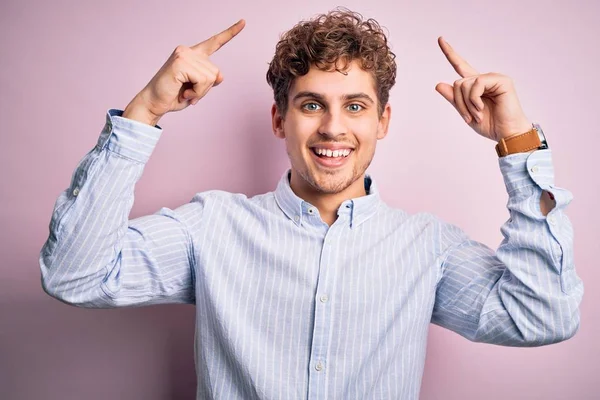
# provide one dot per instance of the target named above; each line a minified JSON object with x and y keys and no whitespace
{"x":290,"y":308}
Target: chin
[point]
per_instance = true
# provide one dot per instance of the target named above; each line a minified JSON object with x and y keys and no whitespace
{"x":331,"y":182}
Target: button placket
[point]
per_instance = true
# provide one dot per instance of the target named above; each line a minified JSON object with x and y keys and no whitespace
{"x":321,"y":340}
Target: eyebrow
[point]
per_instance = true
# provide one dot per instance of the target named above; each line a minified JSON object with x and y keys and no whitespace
{"x":345,"y":97}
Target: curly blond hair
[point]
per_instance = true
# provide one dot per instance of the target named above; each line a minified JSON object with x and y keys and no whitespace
{"x":328,"y":41}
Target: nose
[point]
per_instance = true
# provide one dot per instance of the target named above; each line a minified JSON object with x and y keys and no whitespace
{"x":332,"y":124}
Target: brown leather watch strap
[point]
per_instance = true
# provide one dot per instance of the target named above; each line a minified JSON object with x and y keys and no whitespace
{"x":518,"y":143}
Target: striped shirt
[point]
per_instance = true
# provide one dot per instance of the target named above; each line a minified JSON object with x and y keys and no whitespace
{"x":288,"y":307}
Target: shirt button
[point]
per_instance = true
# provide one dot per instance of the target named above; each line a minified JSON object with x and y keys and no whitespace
{"x":311,"y":210}
{"x":551,"y":220}
{"x":76,"y":191}
{"x":534,"y":169}
{"x":319,"y":366}
{"x":297,"y":218}
{"x":324,"y":298}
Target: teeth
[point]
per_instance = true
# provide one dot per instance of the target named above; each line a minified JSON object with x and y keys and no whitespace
{"x":332,"y":153}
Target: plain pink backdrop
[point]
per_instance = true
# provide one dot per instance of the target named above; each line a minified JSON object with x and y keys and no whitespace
{"x":64,"y":63}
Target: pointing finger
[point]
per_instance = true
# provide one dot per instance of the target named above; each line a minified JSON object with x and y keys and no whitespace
{"x":458,"y":63}
{"x":214,"y":43}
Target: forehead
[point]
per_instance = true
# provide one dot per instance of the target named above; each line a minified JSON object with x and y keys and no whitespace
{"x":332,"y":84}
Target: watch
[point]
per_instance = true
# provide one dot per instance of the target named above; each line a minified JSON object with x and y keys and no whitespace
{"x":524,"y":142}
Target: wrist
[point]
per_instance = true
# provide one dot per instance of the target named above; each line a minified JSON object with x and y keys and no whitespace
{"x":137,"y":111}
{"x":527,"y":142}
{"x":517,"y":129}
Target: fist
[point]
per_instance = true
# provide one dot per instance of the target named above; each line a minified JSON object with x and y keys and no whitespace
{"x":487,"y":102}
{"x":184,"y":79}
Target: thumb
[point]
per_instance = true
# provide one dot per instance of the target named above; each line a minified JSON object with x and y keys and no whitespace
{"x":447,"y":91}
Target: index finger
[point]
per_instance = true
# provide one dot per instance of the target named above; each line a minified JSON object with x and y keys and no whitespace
{"x":209,"y":46}
{"x":458,"y":63}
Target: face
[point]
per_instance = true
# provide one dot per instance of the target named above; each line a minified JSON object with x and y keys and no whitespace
{"x":331,"y":128}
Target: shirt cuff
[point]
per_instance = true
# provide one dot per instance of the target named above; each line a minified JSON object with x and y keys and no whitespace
{"x":522,"y":170}
{"x":132,"y":139}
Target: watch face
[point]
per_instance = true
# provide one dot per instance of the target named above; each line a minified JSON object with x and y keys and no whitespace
{"x":541,"y":135}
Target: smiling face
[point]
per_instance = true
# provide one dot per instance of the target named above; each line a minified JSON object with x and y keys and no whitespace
{"x":331,"y":128}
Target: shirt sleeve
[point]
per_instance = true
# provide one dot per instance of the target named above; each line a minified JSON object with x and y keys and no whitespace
{"x":526,"y":293}
{"x":96,"y":257}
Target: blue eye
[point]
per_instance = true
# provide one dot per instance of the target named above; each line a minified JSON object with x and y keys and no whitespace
{"x":355,"y":107}
{"x":311,"y":107}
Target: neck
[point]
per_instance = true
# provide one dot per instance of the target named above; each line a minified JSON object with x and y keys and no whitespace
{"x":327,"y":203}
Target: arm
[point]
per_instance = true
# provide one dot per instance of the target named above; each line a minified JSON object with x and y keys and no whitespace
{"x":95,"y":256}
{"x":547,"y":202}
{"x":527,"y":293}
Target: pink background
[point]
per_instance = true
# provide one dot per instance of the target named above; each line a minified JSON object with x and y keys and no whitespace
{"x":63,"y":64}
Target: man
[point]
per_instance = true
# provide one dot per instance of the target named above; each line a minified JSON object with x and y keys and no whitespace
{"x":318,"y":289}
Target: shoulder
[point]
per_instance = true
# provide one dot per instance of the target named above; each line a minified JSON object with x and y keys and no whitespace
{"x":422,"y":226}
{"x":223,"y":200}
{"x":403,"y":217}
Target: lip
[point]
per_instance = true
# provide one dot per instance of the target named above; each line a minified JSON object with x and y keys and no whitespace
{"x":332,"y":147}
{"x":331,"y":162}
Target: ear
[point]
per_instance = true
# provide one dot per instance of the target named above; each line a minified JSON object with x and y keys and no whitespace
{"x":277,"y":121}
{"x":384,"y":122}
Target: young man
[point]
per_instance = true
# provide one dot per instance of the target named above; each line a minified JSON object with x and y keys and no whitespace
{"x":318,"y":289}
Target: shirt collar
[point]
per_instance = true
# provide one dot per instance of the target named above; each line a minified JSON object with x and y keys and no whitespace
{"x":358,"y":209}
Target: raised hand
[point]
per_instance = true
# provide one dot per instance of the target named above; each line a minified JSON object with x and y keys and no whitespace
{"x":184,"y":79}
{"x":487,"y":102}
